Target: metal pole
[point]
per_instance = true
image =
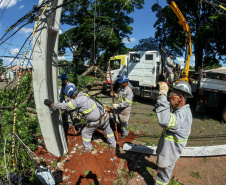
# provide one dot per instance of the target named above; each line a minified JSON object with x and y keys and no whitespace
{"x":116,"y":129}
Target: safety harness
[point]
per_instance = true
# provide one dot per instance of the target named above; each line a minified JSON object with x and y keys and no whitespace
{"x":102,"y":116}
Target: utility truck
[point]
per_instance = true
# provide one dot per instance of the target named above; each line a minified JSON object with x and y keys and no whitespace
{"x":144,"y":69}
{"x":212,"y":91}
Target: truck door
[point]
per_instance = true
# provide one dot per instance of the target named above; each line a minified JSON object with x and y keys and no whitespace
{"x":135,"y":66}
{"x":117,"y":64}
{"x":149,"y":74}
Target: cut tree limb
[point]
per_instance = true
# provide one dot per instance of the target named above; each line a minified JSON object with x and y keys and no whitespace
{"x":29,"y":109}
{"x":92,"y":68}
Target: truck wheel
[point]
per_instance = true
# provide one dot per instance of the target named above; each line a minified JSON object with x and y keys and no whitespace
{"x":224,"y":115}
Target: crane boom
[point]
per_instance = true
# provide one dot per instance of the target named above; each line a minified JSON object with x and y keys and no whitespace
{"x":188,"y":52}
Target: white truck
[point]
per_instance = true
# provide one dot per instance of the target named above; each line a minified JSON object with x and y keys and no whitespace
{"x":144,"y":69}
{"x":212,"y":91}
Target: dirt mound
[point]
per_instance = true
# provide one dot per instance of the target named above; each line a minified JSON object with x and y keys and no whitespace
{"x":97,"y":166}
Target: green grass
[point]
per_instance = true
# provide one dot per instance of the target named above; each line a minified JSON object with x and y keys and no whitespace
{"x":173,"y":182}
{"x":195,"y":175}
{"x":205,"y":159}
{"x":149,"y":115}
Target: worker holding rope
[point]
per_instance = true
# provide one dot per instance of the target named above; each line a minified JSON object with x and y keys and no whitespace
{"x":93,"y":113}
{"x":123,"y":109}
{"x":176,"y":127}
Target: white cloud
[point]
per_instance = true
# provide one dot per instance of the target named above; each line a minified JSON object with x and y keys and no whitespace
{"x":126,"y":41}
{"x":60,"y":31}
{"x":8,"y":60}
{"x":21,"y":6}
{"x":14,"y":51}
{"x":26,"y":30}
{"x":180,"y":61}
{"x":8,"y":3}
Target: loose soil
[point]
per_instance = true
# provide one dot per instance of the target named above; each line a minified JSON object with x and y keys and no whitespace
{"x":108,"y":166}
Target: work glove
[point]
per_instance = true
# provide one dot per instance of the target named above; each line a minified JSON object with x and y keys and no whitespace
{"x":112,"y":93}
{"x":163,"y":88}
{"x":47,"y":102}
{"x":115,"y":106}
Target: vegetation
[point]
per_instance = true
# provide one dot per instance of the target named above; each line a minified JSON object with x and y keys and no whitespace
{"x":207,"y":27}
{"x":147,"y":44}
{"x":27,"y":128}
{"x":111,"y":26}
{"x":195,"y":174}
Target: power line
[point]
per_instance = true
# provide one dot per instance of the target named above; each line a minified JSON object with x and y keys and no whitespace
{"x":5,"y":9}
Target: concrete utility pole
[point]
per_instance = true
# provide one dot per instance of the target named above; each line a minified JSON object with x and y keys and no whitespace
{"x":45,"y":80}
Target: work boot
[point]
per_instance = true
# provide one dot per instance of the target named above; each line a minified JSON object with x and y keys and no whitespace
{"x":85,"y":150}
{"x":123,"y":135}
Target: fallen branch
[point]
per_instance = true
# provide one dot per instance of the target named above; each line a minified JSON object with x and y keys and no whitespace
{"x":29,"y":109}
{"x":8,"y":84}
{"x":31,"y":114}
{"x":6,"y":107}
{"x":92,"y":68}
{"x":29,"y":97}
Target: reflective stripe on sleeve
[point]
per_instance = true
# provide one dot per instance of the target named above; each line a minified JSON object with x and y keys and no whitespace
{"x":110,"y":135}
{"x":172,"y":122}
{"x":129,"y":101}
{"x":89,"y":110}
{"x":71,"y":105}
{"x":160,"y":182}
{"x":87,"y":140}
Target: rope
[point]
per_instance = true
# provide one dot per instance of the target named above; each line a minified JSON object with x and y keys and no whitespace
{"x":15,"y":100}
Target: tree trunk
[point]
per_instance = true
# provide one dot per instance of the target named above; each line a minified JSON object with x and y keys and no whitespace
{"x":92,"y":68}
{"x":198,"y":56}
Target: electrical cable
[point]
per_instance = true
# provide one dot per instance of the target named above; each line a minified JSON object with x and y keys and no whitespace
{"x":7,"y":173}
{"x":31,"y":13}
{"x":19,"y":82}
{"x":28,"y":38}
{"x":5,"y":9}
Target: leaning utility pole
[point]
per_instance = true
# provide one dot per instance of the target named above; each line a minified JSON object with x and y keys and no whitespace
{"x":45,"y":78}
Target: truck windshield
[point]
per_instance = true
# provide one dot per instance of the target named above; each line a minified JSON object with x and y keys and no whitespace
{"x":115,"y":64}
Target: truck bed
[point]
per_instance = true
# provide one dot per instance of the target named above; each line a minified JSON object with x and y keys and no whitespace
{"x":213,"y":84}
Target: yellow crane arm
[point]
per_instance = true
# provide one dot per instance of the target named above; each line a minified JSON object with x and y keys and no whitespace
{"x":187,"y":30}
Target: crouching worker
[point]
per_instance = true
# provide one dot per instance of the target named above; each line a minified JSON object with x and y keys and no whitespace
{"x":176,"y":127}
{"x":123,"y":109}
{"x":93,"y":113}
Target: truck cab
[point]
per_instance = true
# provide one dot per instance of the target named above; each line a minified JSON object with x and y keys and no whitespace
{"x":142,"y":67}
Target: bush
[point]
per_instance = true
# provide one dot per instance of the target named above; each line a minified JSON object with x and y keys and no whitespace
{"x":27,"y":128}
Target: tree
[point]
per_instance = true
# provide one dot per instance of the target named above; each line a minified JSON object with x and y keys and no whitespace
{"x":111,"y":26}
{"x":211,"y":63}
{"x":207,"y":27}
{"x":147,"y":44}
{"x":1,"y":68}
